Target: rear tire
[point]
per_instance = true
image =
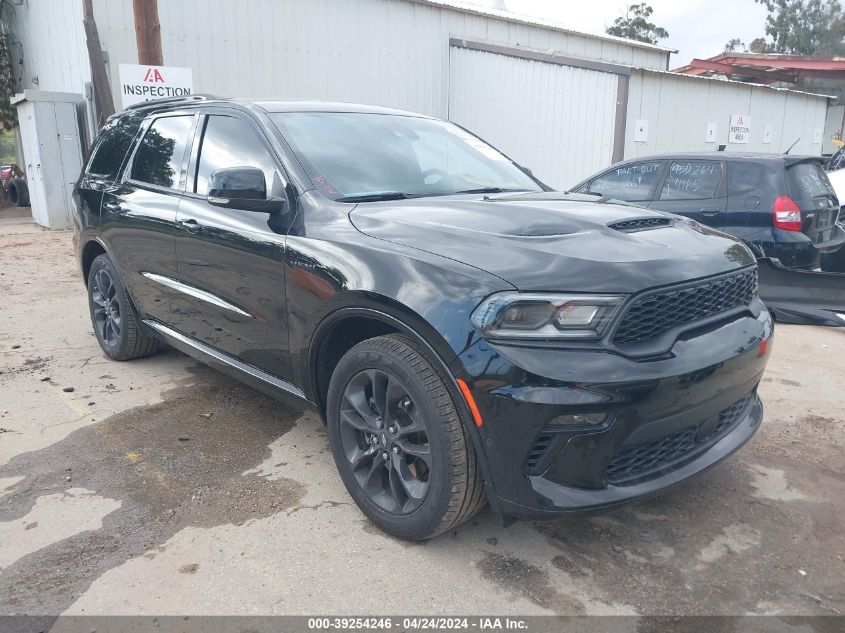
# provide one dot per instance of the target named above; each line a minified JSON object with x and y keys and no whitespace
{"x":18,"y":192}
{"x":399,"y":442}
{"x":115,"y":325}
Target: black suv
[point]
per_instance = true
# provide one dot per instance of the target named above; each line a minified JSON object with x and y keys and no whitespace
{"x":466,"y":333}
{"x":781,"y":206}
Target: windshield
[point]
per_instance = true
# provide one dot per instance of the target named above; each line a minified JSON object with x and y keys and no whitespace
{"x":352,"y":156}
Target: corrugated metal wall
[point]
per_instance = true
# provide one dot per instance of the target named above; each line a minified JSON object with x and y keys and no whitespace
{"x":384,"y":52}
{"x":679,"y":107}
{"x":397,"y":53}
{"x":555,"y":119}
{"x":52,"y":44}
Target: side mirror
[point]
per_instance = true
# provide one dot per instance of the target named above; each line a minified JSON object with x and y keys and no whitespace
{"x":242,"y":188}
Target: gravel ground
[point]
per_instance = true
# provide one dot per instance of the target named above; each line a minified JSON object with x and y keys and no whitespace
{"x":162,"y":487}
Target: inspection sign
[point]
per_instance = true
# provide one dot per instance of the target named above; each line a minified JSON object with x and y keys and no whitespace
{"x":141,"y":83}
{"x":740,"y":130}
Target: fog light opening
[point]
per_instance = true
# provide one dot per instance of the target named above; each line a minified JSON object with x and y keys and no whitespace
{"x":580,"y":419}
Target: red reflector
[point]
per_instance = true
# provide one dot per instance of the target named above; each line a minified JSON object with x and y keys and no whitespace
{"x":473,"y":409}
{"x":763,"y":347}
{"x":786,"y":214}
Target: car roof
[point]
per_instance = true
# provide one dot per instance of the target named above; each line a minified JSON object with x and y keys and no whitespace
{"x":727,"y":156}
{"x":328,"y":106}
{"x":269,"y":105}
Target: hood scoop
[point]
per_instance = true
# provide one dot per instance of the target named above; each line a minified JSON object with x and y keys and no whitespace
{"x":639,"y":224}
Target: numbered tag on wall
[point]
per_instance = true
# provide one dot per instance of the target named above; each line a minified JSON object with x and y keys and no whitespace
{"x":767,"y":134}
{"x":641,"y":131}
{"x":817,"y":136}
{"x":710,"y":135}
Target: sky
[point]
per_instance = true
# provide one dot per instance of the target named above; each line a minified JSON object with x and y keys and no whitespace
{"x":697,"y":28}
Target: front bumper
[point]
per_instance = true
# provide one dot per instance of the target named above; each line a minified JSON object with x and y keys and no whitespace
{"x":668,"y":418}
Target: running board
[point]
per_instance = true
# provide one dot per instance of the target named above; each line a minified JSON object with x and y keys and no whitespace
{"x":224,"y":362}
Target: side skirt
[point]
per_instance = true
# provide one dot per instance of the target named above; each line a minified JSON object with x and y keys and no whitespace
{"x":248,"y":374}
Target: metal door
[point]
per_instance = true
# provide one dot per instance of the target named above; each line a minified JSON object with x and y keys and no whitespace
{"x":563,"y":118}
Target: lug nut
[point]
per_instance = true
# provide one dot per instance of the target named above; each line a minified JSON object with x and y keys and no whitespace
{"x":392,"y":429}
{"x":395,"y":450}
{"x":379,"y":424}
{"x":384,"y":456}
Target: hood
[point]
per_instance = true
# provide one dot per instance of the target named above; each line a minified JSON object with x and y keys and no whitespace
{"x":556,"y":242}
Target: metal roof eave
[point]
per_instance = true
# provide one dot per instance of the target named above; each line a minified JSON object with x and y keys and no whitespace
{"x":734,"y":81}
{"x":539,"y":22}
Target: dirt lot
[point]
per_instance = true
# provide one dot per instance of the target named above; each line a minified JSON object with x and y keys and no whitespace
{"x":162,"y":487}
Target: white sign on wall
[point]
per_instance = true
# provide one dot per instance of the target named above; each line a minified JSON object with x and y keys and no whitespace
{"x":740,"y":130}
{"x":142,"y":83}
{"x":767,"y":134}
{"x":641,"y":131}
{"x":710,"y":136}
{"x":817,"y":135}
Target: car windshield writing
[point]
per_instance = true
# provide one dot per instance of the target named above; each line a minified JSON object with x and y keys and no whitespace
{"x":352,"y":155}
{"x":808,"y":180}
{"x":628,"y":182}
{"x":692,"y":180}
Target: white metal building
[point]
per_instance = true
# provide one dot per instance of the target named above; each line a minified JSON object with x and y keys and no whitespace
{"x":561,"y":102}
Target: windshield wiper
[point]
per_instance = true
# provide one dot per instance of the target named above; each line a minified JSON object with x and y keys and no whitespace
{"x":489,"y":190}
{"x":377,"y":196}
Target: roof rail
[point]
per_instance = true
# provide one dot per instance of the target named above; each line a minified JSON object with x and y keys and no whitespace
{"x":166,"y":100}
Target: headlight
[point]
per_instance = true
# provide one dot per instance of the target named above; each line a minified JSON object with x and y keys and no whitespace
{"x":545,"y":316}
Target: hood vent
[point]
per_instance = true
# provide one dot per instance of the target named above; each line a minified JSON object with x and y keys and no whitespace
{"x":639,"y":224}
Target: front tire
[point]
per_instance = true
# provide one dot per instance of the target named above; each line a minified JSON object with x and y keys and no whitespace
{"x":115,"y":326}
{"x":398,"y":440}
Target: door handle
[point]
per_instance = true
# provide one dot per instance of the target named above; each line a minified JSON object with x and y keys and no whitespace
{"x":190,"y":225}
{"x":111,"y":207}
{"x":709,"y":211}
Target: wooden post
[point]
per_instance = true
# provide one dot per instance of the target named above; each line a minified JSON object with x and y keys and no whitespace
{"x":99,"y":77}
{"x":147,"y":32}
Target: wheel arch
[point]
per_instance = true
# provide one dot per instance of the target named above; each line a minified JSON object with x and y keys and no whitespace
{"x":384,"y":320}
{"x":92,"y":249}
{"x":344,"y":327}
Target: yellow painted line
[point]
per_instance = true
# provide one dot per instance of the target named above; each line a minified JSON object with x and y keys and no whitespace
{"x":79,"y":409}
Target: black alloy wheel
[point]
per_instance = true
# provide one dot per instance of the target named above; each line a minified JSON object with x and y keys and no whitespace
{"x":106,"y":308}
{"x":384,"y":437}
{"x":400,"y":441}
{"x":115,"y":325}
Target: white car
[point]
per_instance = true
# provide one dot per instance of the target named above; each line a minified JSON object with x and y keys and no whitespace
{"x":836,"y":173}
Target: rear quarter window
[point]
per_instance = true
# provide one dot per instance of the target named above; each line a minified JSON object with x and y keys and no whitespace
{"x":112,"y":145}
{"x":744,"y":178}
{"x":807,"y":181}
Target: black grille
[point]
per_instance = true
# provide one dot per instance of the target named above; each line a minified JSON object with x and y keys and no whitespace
{"x":653,"y":314}
{"x":639,"y":224}
{"x":634,"y":463}
{"x":538,"y":450}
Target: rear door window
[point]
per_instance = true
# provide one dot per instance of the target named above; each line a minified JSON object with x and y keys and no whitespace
{"x":692,"y":180}
{"x":158,"y":159}
{"x":807,"y":181}
{"x":631,"y":183}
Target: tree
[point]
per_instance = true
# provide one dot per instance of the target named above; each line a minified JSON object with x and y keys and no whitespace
{"x":758,"y":45}
{"x":8,"y":113}
{"x":735,"y":45}
{"x":803,"y":27}
{"x":635,"y":25}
